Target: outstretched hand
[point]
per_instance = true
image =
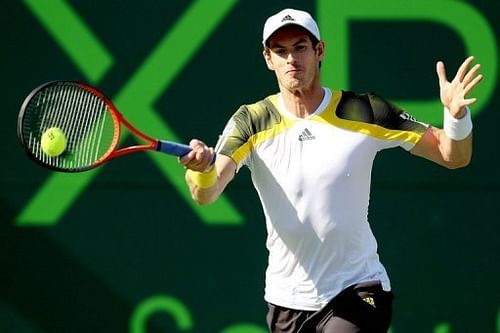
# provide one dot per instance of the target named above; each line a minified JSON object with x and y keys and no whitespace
{"x":454,"y":94}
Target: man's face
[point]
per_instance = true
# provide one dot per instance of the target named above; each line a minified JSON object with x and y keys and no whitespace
{"x":291,"y":56}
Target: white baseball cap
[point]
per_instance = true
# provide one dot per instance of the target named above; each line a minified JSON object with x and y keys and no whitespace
{"x":286,"y":17}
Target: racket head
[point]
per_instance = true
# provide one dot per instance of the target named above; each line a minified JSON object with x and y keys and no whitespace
{"x":85,"y":115}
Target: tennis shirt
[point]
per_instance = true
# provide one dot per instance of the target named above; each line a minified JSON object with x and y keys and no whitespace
{"x":313,"y":176}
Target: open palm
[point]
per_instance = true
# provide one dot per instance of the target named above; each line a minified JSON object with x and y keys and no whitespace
{"x":454,"y":94}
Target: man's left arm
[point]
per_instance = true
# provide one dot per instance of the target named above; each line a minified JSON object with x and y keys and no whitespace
{"x":452,"y":146}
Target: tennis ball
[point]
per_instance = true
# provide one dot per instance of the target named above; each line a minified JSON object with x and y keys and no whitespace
{"x":53,"y":142}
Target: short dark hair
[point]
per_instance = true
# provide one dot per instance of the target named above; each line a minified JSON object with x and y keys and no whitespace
{"x":313,"y":39}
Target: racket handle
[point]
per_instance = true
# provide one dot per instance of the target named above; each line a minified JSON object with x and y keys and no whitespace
{"x":173,"y":148}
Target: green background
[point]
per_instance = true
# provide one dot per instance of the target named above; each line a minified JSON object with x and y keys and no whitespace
{"x":130,"y":253}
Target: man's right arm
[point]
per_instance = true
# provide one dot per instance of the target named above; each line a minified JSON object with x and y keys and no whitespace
{"x":206,"y":181}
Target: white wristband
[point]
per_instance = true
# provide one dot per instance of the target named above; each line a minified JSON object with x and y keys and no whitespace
{"x":457,"y":129}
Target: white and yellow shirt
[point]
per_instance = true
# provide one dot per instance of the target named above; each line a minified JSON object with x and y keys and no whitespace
{"x":313,"y":178}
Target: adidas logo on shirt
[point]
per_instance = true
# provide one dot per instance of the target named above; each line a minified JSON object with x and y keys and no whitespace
{"x":306,"y":135}
{"x":287,"y":18}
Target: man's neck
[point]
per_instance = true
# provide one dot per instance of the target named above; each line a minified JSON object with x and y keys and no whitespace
{"x":302,"y":103}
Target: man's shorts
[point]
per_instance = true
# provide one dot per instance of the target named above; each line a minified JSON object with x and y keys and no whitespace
{"x":361,"y":308}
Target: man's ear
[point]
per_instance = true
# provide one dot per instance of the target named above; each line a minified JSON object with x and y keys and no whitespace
{"x":267,"y":58}
{"x":320,"y":50}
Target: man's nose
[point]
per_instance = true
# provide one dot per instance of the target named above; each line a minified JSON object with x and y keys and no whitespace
{"x":291,"y":58}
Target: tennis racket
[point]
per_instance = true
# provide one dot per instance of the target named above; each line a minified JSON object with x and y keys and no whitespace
{"x":91,"y":125}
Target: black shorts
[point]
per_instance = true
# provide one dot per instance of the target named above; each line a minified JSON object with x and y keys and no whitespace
{"x":362,"y":308}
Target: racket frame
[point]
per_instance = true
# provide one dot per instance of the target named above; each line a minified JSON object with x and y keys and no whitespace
{"x":118,"y":120}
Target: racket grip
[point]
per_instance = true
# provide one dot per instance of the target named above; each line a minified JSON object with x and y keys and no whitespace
{"x":173,"y":148}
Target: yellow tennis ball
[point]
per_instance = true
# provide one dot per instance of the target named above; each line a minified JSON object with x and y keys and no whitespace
{"x":53,"y":142}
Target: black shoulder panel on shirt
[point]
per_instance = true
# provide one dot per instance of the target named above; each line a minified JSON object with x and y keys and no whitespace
{"x":372,"y":109}
{"x":258,"y":117}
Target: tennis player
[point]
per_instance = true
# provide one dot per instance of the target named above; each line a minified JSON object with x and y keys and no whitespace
{"x":310,"y":151}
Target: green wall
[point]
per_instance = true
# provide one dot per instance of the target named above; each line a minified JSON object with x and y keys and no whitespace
{"x":124,"y":249}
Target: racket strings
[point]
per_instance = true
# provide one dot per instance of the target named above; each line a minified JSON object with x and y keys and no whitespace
{"x":84,"y":118}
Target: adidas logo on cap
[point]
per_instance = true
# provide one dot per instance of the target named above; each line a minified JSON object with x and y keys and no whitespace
{"x":287,"y":18}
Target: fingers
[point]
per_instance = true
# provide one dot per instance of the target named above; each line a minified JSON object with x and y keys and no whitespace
{"x":469,"y":101}
{"x":471,"y":74}
{"x":441,"y":72}
{"x":463,"y":68}
{"x":468,"y":88}
{"x":199,"y":158}
{"x":465,"y":80}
